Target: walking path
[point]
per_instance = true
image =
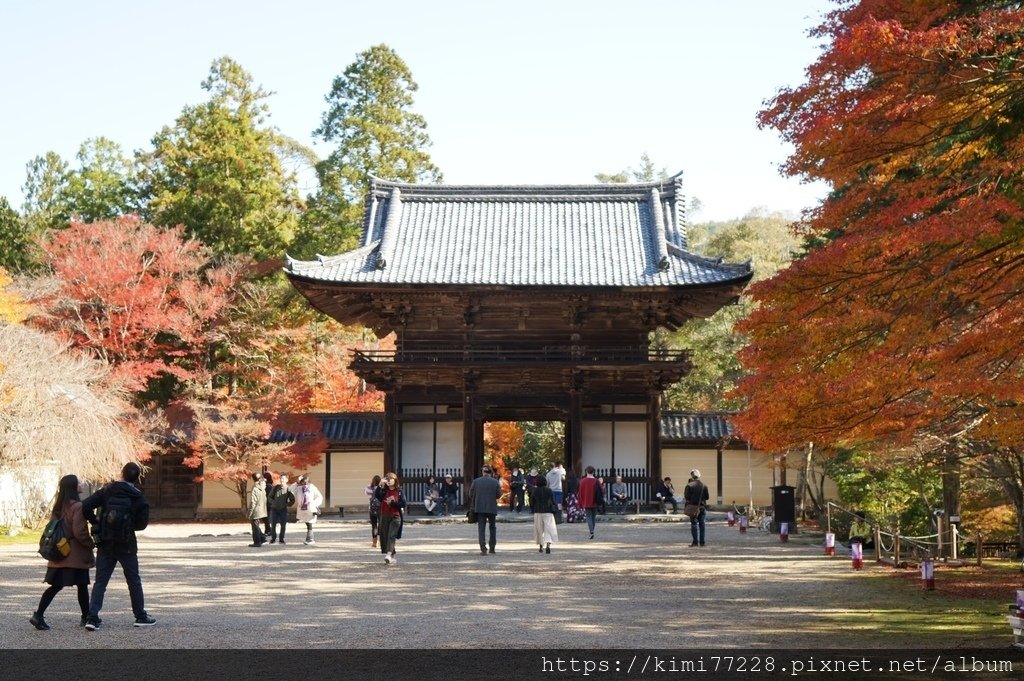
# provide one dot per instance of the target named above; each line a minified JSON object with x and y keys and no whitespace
{"x":638,"y":584}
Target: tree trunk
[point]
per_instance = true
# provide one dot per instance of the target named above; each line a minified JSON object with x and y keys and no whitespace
{"x":950,"y":498}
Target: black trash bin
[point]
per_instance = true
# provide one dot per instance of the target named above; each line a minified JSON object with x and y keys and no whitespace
{"x":783,"y":507}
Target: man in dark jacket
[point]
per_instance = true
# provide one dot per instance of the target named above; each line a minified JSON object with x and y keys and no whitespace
{"x":517,"y":498}
{"x":483,"y":499}
{"x":665,"y":493}
{"x":696,"y":494}
{"x":449,"y":495}
{"x":279,"y":500}
{"x":124,"y":511}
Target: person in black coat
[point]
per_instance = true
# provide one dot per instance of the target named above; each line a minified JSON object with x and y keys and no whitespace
{"x":696,"y":493}
{"x":122,"y":549}
{"x":449,"y":494}
{"x":517,"y":499}
{"x":483,"y":499}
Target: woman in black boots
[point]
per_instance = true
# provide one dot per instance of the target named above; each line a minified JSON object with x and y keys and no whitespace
{"x":73,"y":570}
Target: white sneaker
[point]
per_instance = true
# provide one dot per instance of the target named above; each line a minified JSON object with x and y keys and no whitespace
{"x":387,"y":559}
{"x":309,"y":541}
{"x":394,"y":558}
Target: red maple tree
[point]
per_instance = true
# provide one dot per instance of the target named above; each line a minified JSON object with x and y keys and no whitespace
{"x":904,"y":316}
{"x":902,"y":323}
{"x":138,"y":297}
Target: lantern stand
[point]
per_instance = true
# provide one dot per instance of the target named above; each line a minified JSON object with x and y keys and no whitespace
{"x":784,"y":532}
{"x":928,"y":573}
{"x":830,"y":543}
{"x":857,"y":555}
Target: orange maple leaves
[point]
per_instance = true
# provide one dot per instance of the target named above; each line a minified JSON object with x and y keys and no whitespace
{"x":906,"y":315}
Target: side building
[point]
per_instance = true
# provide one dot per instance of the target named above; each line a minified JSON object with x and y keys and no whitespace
{"x":733,"y":471}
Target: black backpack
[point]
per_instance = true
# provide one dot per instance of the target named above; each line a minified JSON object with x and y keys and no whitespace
{"x":54,"y":545}
{"x":116,"y":525}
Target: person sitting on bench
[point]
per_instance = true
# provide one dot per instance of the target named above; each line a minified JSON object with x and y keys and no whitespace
{"x":449,"y":495}
{"x":666,"y":493}
{"x":861,"y":532}
{"x":618,"y":495}
{"x":432,"y":499}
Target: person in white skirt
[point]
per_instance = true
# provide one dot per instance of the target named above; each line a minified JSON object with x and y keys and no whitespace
{"x":542,"y":503}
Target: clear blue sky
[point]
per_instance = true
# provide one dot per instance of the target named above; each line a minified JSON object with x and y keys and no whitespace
{"x":525,"y":92}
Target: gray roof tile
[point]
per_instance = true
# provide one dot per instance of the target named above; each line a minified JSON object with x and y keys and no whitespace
{"x":696,"y":427}
{"x":586,"y":235}
{"x":367,"y":428}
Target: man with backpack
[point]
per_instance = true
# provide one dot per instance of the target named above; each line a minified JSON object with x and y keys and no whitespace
{"x":123,"y":509}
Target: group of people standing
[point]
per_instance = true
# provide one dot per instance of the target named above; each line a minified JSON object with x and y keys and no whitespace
{"x":269,"y":503}
{"x":122,"y":510}
{"x":549,"y":494}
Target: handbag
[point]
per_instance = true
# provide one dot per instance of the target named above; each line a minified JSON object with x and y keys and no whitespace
{"x":470,"y":516}
{"x":557,"y":512}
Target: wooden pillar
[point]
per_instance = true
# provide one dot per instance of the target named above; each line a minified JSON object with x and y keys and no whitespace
{"x":469,"y":436}
{"x":720,"y":473}
{"x":575,"y":434}
{"x":654,"y":436}
{"x":390,"y":432}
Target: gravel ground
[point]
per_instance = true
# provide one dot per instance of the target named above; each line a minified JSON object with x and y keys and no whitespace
{"x":638,"y":584}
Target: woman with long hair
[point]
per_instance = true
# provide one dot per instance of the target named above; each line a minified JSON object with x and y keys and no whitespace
{"x":374,"y":504}
{"x":542,"y":505}
{"x":392,"y":502}
{"x":73,"y":570}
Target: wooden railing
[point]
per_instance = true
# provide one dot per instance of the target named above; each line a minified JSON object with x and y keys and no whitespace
{"x":548,"y":355}
{"x":414,"y":481}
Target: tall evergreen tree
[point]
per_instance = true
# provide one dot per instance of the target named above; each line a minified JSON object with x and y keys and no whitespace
{"x":369,"y":117}
{"x":15,"y":244}
{"x":102,"y":186}
{"x":45,"y":191}
{"x":217,"y":172}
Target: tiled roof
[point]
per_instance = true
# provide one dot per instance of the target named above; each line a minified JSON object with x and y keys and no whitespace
{"x":345,"y":428}
{"x":354,"y":428}
{"x":367,"y":428}
{"x":695,"y":427}
{"x":625,"y":235}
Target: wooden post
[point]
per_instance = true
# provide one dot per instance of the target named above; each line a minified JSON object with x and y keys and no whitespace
{"x":390,"y":439}
{"x":654,"y":436}
{"x":468,"y":440}
{"x":896,"y":548}
{"x":878,"y":544}
{"x":575,"y":433}
{"x":977,"y":548}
